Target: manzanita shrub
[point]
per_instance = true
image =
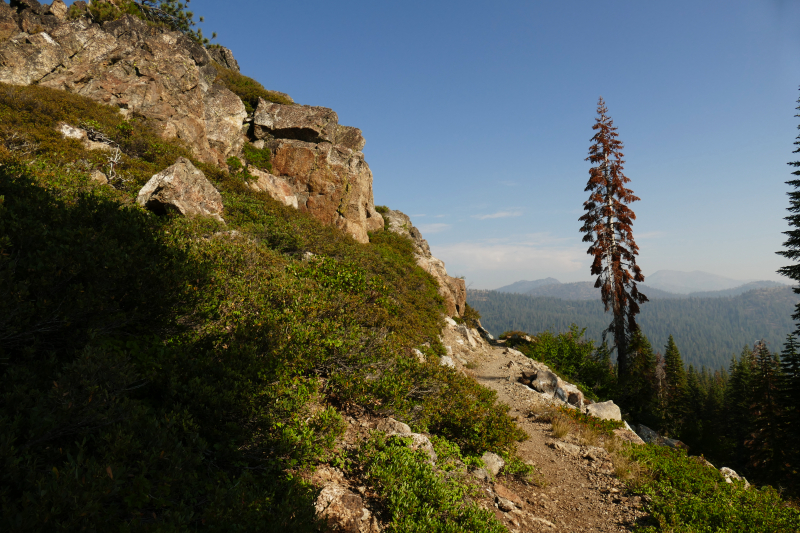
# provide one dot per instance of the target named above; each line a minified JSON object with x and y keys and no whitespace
{"x":165,"y":373}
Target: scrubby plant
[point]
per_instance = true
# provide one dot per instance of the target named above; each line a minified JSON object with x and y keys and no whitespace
{"x":685,"y":494}
{"x":261,"y":158}
{"x":417,"y":495}
{"x":164,"y":374}
{"x":248,"y":89}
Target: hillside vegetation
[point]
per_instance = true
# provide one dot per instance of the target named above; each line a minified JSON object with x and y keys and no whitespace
{"x":708,"y":330}
{"x":172,"y":374}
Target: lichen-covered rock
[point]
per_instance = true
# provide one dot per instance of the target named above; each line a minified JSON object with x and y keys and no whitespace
{"x":181,"y":188}
{"x":453,"y":290}
{"x":344,"y":511}
{"x":330,"y":182}
{"x":493,"y":463}
{"x":301,"y":122}
{"x":224,"y":56}
{"x":169,"y":78}
{"x":141,"y":69}
{"x":276,"y":187}
{"x":605,"y":410}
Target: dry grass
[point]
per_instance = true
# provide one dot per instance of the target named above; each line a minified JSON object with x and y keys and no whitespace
{"x":561,"y":427}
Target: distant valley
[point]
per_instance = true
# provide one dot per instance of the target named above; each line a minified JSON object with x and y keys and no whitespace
{"x":709,"y":326}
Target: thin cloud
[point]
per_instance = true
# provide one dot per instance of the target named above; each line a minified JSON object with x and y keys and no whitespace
{"x":492,"y":256}
{"x":433,"y":228}
{"x":499,"y":214}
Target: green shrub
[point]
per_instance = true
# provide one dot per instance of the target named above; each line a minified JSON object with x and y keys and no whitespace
{"x":248,"y":89}
{"x":470,"y":317}
{"x":417,"y":497}
{"x":161,"y":373}
{"x":686,"y":495}
{"x":234,"y":164}
{"x":260,"y":158}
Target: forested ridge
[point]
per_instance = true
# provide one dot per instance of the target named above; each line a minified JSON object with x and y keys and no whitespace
{"x":708,"y":330}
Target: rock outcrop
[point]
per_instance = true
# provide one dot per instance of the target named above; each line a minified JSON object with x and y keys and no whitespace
{"x":318,"y":165}
{"x":141,"y":69}
{"x":342,"y":509}
{"x":181,"y":188}
{"x":453,"y":290}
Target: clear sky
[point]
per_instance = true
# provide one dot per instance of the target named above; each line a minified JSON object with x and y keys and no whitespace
{"x":478,"y":119}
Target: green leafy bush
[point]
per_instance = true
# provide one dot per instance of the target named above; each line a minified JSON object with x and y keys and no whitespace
{"x":686,"y":495}
{"x":260,"y":158}
{"x":418,"y":498}
{"x":248,"y":89}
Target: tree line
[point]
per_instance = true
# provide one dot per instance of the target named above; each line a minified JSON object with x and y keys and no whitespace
{"x":709,"y":330}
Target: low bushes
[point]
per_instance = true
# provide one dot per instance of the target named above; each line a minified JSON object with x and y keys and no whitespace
{"x":168,"y":373}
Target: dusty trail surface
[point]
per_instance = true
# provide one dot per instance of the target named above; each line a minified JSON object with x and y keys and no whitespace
{"x":576,"y":489}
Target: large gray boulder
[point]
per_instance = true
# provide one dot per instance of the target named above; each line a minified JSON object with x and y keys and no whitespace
{"x":301,"y":122}
{"x":543,"y":380}
{"x":605,"y":410}
{"x":181,"y":188}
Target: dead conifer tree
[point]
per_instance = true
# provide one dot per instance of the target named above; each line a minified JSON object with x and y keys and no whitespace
{"x":607,"y":224}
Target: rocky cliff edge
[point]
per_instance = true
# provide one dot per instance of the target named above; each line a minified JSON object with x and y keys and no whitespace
{"x":318,"y":166}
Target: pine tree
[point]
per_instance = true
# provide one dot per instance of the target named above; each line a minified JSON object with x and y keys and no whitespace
{"x":676,"y":389}
{"x":764,"y":442}
{"x":790,"y":400}
{"x":792,"y":243}
{"x":693,"y":428}
{"x":739,"y":396}
{"x":607,"y":225}
{"x":640,"y":397}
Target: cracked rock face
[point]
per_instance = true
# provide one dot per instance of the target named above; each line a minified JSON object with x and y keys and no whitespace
{"x":318,"y":165}
{"x":162,"y":75}
{"x":330,"y":182}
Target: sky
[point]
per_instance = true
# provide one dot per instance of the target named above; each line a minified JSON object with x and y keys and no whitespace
{"x":478,"y":119}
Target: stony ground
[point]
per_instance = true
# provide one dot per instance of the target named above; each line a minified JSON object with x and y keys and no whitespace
{"x":575,"y":489}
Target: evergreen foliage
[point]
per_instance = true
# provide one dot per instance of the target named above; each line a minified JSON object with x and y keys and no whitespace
{"x":607,"y":225}
{"x":790,"y":401}
{"x":675,"y":397}
{"x":171,"y":14}
{"x":792,"y":243}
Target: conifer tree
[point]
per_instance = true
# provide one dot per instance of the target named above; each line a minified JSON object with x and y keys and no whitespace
{"x":790,"y":400}
{"x":693,"y":428}
{"x":738,"y":399}
{"x":607,"y":224}
{"x":676,"y":389}
{"x":792,"y":243}
{"x":764,"y":442}
{"x":640,"y":397}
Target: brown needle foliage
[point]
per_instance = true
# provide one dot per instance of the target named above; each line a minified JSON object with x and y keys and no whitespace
{"x":607,"y":225}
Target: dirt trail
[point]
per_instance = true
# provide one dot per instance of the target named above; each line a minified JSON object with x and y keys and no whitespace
{"x":579,"y":492}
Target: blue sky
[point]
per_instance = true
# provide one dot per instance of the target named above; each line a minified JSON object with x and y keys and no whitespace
{"x":478,"y":118}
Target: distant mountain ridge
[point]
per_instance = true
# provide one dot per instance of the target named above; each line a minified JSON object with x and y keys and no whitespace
{"x":708,"y":330}
{"x":654,"y":288}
